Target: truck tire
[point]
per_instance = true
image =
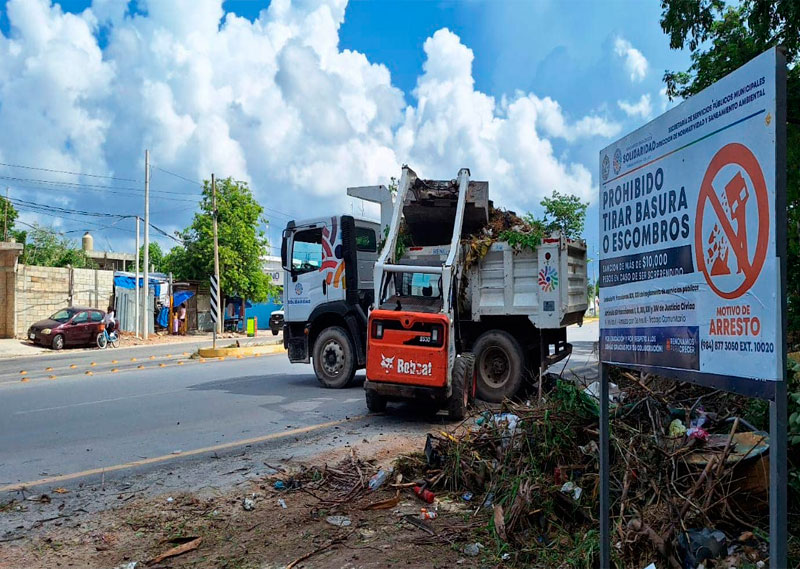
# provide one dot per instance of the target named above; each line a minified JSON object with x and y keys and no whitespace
{"x":375,"y":403}
{"x":499,"y":365}
{"x":334,"y":358}
{"x":459,"y":398}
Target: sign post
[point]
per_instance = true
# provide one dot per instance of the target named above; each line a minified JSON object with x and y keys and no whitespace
{"x":214,"y":295}
{"x":693,"y":256}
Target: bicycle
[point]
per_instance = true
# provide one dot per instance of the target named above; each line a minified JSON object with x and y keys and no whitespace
{"x":104,"y":338}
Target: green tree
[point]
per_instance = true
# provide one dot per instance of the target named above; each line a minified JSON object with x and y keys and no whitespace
{"x":721,"y":38}
{"x":46,"y":247}
{"x":8,"y":215}
{"x":242,"y":243}
{"x":156,"y":259}
{"x":566,"y":213}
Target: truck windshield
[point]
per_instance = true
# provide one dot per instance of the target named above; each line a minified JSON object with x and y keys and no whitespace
{"x":307,"y":251}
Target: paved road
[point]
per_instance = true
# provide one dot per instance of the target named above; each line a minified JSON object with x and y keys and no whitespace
{"x":78,"y":422}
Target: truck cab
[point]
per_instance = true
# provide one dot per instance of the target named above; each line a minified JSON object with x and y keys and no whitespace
{"x":328,"y":289}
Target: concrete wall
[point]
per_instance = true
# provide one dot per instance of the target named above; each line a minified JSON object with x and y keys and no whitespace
{"x":41,"y":291}
{"x":9,"y":252}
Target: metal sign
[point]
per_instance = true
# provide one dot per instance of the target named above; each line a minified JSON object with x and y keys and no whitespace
{"x":689,"y":267}
{"x":693,"y":253}
{"x":214,"y":294}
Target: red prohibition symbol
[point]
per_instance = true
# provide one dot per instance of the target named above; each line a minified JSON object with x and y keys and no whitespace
{"x":737,"y":195}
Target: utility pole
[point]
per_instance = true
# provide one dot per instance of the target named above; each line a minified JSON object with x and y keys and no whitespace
{"x":5,"y":219}
{"x":145,"y":308}
{"x":218,"y":325}
{"x":137,"y":324}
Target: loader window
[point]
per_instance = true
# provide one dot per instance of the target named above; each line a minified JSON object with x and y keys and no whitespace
{"x":307,"y":251}
{"x":418,"y":284}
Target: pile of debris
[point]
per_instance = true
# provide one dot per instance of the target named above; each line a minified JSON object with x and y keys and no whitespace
{"x":503,"y":225}
{"x":688,"y":484}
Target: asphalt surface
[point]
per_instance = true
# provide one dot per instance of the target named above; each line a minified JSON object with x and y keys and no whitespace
{"x":165,"y":404}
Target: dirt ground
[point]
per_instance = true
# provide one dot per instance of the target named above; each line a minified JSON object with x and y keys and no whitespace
{"x":268,"y":536}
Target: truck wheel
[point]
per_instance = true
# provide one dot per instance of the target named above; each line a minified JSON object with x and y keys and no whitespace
{"x":459,"y":398}
{"x":334,"y":358}
{"x":499,"y":363}
{"x":375,"y":403}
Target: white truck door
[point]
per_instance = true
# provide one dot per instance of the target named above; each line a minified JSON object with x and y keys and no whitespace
{"x":305,"y":290}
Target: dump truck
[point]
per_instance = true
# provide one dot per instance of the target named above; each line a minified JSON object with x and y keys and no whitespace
{"x":442,"y":331}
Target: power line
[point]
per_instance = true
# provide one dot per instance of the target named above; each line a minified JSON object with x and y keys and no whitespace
{"x":59,"y":209}
{"x":75,"y":184}
{"x":67,"y":172}
{"x":81,"y":189}
{"x":178,"y":176}
{"x":164,"y":233}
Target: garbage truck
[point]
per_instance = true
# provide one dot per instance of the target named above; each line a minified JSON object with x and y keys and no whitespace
{"x":444,"y":330}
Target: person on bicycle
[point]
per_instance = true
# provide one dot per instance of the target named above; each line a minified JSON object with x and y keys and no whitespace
{"x":109,"y":320}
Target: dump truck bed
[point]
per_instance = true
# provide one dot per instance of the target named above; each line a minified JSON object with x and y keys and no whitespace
{"x":548,"y":285}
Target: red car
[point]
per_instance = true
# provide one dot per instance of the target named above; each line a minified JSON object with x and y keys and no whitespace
{"x":74,"y":326}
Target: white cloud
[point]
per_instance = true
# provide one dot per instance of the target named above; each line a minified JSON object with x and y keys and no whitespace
{"x":274,"y":101}
{"x":635,"y":62}
{"x":642,"y":108}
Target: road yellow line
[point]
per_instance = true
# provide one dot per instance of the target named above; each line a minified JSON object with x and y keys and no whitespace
{"x":164,"y":458}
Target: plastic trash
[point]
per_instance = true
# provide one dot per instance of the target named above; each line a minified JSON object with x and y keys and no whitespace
{"x":696,"y":430}
{"x":507,"y":423}
{"x":279,"y":485}
{"x":590,"y":449}
{"x":424,"y":494}
{"x":248,"y":505}
{"x":696,"y":546}
{"x":473,"y":549}
{"x":432,"y":453}
{"x":426,"y":514}
{"x":487,"y":503}
{"x":483,"y":417}
{"x":573,"y":489}
{"x":282,"y":503}
{"x":338,"y":521}
{"x":677,"y":428}
{"x":615,"y":394}
{"x":379,"y":478}
{"x":466,"y":496}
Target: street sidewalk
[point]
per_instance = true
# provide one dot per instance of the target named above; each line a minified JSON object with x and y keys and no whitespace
{"x":18,"y":348}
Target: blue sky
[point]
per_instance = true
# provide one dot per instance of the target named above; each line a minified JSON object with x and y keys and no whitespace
{"x":571,"y":59}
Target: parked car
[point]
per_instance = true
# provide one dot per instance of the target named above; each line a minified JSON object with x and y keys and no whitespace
{"x":74,"y":326}
{"x":276,"y":321}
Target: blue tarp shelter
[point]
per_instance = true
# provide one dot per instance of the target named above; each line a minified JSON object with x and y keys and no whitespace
{"x":129,"y":282}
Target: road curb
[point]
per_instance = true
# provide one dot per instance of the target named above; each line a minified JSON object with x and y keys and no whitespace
{"x":243,"y":351}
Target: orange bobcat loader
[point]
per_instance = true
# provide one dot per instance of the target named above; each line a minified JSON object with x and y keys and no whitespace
{"x":440,"y":331}
{"x":411,"y":341}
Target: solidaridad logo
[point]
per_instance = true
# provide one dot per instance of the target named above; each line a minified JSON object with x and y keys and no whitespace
{"x":548,"y":278}
{"x":298,"y":289}
{"x":617,"y":161}
{"x":605,"y":167}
